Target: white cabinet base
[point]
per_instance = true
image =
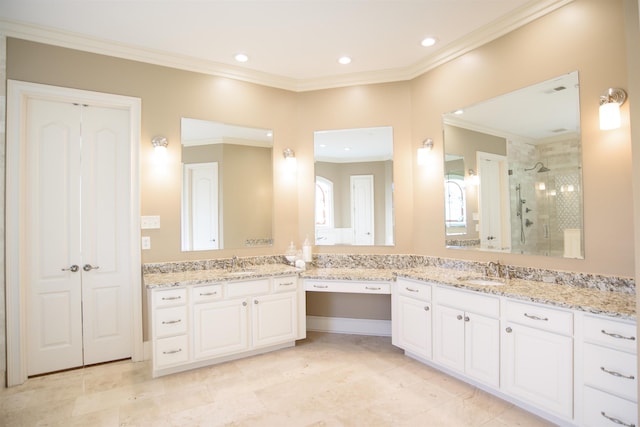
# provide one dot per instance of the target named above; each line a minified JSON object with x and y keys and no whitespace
{"x":216,"y":361}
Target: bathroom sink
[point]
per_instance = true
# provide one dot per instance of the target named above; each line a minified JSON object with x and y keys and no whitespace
{"x":239,"y":273}
{"x":482,"y":280}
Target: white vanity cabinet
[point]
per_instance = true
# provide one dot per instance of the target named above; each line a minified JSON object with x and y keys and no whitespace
{"x":609,"y":372}
{"x":411,"y":313}
{"x":170,"y":325}
{"x":200,"y":325}
{"x":538,"y":356}
{"x":467,"y":334}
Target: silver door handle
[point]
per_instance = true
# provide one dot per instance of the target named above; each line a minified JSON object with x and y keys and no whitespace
{"x":89,"y":267}
{"x":72,"y":269}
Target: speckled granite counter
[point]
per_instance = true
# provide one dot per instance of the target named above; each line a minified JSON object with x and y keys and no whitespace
{"x":196,"y":277}
{"x":593,"y":300}
{"x":615,"y":304}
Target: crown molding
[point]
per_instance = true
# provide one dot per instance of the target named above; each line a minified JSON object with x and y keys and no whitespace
{"x":522,"y":16}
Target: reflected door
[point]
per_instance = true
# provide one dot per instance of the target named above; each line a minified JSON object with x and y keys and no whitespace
{"x":200,"y":210}
{"x":362,"y":209}
{"x":493,"y":201}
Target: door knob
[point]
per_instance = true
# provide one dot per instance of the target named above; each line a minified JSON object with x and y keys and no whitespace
{"x":89,"y":267}
{"x":72,"y":269}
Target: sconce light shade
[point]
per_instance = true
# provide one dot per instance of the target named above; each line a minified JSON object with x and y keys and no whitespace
{"x":423,"y":152}
{"x":159,"y":144}
{"x":290,"y":159}
{"x":610,"y":108}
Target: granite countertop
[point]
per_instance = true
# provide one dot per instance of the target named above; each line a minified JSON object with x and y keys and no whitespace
{"x":197,"y":277}
{"x":609,"y":303}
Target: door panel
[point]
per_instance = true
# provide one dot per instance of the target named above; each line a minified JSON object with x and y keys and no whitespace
{"x":362,"y":209}
{"x":52,"y":234}
{"x":106,"y":174}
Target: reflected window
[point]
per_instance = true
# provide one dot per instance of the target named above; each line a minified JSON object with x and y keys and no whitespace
{"x":324,"y":202}
{"x":455,"y":215}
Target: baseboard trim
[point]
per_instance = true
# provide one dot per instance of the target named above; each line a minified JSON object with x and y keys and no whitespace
{"x":344,"y":325}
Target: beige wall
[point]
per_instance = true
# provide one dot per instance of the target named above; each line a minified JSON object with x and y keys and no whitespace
{"x":579,"y":36}
{"x":586,"y":35}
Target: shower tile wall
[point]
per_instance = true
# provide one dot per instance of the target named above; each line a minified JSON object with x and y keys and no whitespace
{"x":521,"y":155}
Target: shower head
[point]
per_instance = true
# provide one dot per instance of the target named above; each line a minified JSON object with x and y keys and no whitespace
{"x":543,"y":168}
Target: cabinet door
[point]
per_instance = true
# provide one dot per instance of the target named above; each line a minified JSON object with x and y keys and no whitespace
{"x":274,"y":319}
{"x":449,"y":337}
{"x":414,"y":326}
{"x":482,"y":348}
{"x":220,"y":328}
{"x":538,"y":368}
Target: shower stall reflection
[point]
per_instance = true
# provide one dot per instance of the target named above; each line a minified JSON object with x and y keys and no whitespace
{"x":546,"y":201}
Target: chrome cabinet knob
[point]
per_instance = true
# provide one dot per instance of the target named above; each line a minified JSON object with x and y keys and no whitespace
{"x":509,"y":330}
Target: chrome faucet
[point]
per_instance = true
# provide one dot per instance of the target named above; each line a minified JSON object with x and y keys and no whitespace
{"x":493,"y":268}
{"x":234,"y":262}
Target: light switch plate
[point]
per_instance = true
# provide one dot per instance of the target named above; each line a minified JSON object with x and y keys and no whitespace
{"x":150,"y":222}
{"x":146,"y":242}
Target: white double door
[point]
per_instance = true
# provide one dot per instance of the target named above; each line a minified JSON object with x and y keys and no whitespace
{"x":77,"y":207}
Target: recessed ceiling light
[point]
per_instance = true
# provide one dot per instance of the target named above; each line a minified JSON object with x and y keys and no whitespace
{"x":344,"y":60}
{"x":429,"y":41}
{"x":347,"y":149}
{"x":241,"y":57}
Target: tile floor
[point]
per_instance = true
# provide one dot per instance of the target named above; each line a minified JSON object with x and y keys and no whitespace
{"x":326,"y":380}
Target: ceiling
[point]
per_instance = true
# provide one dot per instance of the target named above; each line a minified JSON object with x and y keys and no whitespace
{"x":292,"y":44}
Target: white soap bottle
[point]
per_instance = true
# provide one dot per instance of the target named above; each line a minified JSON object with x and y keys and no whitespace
{"x":306,"y":250}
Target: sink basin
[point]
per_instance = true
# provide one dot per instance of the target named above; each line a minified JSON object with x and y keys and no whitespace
{"x":239,"y":273}
{"x":482,"y":281}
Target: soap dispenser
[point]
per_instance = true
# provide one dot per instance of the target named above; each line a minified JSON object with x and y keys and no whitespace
{"x":306,"y":250}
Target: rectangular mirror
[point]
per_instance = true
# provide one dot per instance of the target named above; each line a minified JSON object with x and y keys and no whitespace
{"x":513,"y":172}
{"x":227,"y":186}
{"x":354,"y":187}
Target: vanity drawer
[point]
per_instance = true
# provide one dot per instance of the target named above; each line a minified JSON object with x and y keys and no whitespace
{"x":347,"y":287}
{"x":169,"y":297}
{"x":206,"y":293}
{"x":285,"y":284}
{"x":545,"y":318}
{"x":172,"y":351}
{"x":413,"y":289}
{"x":170,"y":321}
{"x":610,"y":333}
{"x":612,"y":371}
{"x":248,"y":287}
{"x":604,"y":410}
{"x":469,"y":301}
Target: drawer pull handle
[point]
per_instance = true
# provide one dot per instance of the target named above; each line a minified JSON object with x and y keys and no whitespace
{"x":412,"y":290}
{"x":534,"y":317}
{"x":622,"y":337}
{"x":371,"y":288}
{"x":208,"y":294}
{"x":321,"y":286}
{"x":172,"y":351}
{"x":171,"y":322}
{"x":171,"y":298}
{"x":617,"y":374}
{"x":616,"y":421}
{"x":286,"y":284}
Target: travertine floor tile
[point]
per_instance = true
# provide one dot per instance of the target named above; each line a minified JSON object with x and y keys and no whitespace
{"x":327,"y":380}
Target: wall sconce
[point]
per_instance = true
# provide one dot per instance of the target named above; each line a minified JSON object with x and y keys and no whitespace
{"x":610,"y":108}
{"x":423,"y":152}
{"x":159,"y":144}
{"x":290,"y":159}
{"x":473,"y":177}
